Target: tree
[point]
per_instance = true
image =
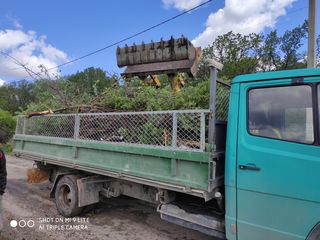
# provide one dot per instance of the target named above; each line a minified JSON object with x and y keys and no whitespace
{"x":7,"y":126}
{"x":91,"y":81}
{"x":71,"y":93}
{"x":291,"y":42}
{"x":269,"y":55}
{"x":237,"y":52}
{"x":92,"y":90}
{"x":250,"y":53}
{"x":16,"y":95}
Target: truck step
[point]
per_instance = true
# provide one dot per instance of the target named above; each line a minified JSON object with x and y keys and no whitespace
{"x":213,"y":226}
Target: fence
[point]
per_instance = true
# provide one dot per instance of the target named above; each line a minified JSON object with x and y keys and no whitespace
{"x":222,"y":101}
{"x":172,"y":129}
{"x":182,"y":129}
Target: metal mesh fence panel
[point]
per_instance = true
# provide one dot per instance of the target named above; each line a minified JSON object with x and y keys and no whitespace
{"x":51,"y":125}
{"x":19,"y":125}
{"x":222,"y":101}
{"x":169,"y":129}
{"x":172,"y":129}
{"x":190,"y":130}
{"x":153,"y":129}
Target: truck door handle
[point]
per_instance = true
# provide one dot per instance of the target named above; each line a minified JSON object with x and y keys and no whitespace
{"x":251,"y":167}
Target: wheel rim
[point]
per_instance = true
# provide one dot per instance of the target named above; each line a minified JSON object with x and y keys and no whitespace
{"x":65,"y":196}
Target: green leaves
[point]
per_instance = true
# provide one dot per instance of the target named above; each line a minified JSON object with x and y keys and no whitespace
{"x":7,"y":126}
{"x":91,"y":81}
{"x":250,"y":53}
{"x":16,"y":95}
{"x":93,"y":90}
{"x":291,"y":41}
{"x":237,"y":52}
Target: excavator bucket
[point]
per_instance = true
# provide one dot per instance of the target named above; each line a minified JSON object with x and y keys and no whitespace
{"x":163,"y":57}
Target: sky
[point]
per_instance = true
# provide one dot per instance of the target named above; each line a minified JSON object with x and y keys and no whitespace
{"x":50,"y":33}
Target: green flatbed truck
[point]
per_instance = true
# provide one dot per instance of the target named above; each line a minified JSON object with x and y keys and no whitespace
{"x":260,"y":179}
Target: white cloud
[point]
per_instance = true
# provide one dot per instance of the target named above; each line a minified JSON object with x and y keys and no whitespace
{"x":250,"y":16}
{"x":28,"y":49}
{"x":2,"y":82}
{"x":182,"y":4}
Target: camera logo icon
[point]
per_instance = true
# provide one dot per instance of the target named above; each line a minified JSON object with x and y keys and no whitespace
{"x":22,"y":223}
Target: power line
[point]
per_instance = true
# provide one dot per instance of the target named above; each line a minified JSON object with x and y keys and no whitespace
{"x":144,"y":31}
{"x":297,"y":10}
{"x":21,"y":65}
{"x":132,"y":36}
{"x":121,"y":41}
{"x":290,"y":12}
{"x":29,"y":71}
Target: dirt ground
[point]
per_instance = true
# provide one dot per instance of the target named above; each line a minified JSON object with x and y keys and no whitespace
{"x":35,"y":214}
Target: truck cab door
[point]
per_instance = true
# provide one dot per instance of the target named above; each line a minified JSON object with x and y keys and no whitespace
{"x":278,"y":162}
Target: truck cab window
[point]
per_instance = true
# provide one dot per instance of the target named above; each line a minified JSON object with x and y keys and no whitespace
{"x":282,"y":113}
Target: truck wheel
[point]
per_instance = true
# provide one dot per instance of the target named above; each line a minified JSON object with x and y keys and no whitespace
{"x":66,"y":196}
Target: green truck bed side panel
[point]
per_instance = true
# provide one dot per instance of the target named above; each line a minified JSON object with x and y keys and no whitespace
{"x":184,"y":168}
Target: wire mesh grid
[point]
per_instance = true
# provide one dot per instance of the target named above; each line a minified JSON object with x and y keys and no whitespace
{"x":172,"y":129}
{"x":50,"y":125}
{"x":153,"y":129}
{"x":190,"y":130}
{"x":222,"y":101}
{"x":19,"y":125}
{"x":169,"y":129}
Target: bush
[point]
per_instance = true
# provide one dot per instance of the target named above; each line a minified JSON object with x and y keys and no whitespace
{"x":7,"y":147}
{"x":7,"y":126}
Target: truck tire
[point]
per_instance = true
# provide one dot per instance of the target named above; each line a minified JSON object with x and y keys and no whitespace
{"x":66,"y":196}
{"x":315,"y":233}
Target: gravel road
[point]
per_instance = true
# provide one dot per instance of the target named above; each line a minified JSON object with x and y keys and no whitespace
{"x":35,"y":214}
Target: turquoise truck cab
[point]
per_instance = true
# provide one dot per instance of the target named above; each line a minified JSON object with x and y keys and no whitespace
{"x":272,"y":170}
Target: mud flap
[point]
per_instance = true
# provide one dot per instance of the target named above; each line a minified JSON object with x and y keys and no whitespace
{"x":89,"y":189}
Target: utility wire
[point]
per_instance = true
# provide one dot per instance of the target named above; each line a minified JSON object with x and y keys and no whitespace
{"x":21,"y":65}
{"x":29,"y":71}
{"x":132,"y":36}
{"x":289,"y":13}
{"x":122,"y":40}
{"x":297,"y":10}
{"x":143,"y":31}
